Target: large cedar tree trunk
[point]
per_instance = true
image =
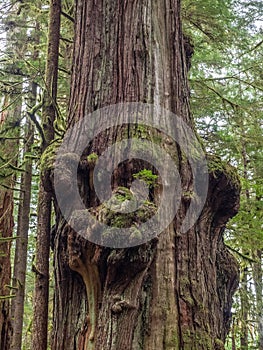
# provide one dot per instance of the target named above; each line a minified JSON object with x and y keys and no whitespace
{"x":175,"y":291}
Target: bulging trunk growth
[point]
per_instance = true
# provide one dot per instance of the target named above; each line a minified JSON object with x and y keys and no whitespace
{"x":174,"y":291}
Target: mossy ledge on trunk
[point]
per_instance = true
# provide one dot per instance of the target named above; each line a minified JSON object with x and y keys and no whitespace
{"x":175,"y":291}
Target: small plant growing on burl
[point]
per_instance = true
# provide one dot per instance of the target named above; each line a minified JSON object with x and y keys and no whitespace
{"x":92,"y":158}
{"x":147,"y":176}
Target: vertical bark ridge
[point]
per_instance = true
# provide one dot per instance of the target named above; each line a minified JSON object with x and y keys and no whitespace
{"x":6,"y":229}
{"x":173,"y":292}
{"x":45,"y":195}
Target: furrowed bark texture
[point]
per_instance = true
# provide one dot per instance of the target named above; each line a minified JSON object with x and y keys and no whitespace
{"x":6,"y":229}
{"x":49,"y":113}
{"x":258,"y":276}
{"x":21,"y":247}
{"x":175,"y":291}
{"x":20,"y":261}
{"x":8,"y":150}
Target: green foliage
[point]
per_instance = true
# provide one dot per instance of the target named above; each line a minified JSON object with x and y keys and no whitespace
{"x":217,"y":166}
{"x":92,"y":158}
{"x":226,"y":101}
{"x":23,"y":30}
{"x":48,"y":157}
{"x":147,"y":176}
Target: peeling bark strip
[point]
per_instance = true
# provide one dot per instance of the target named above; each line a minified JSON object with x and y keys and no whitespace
{"x":173,"y":292}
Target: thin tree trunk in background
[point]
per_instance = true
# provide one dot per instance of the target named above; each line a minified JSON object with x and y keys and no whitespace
{"x":41,"y":293}
{"x":258,"y":282}
{"x":244,"y":299}
{"x":20,"y":262}
{"x":233,"y":336}
{"x":6,"y":229}
{"x":244,"y":312}
{"x":8,"y":152}
{"x":10,"y":117}
{"x":171,"y":293}
{"x":23,"y":220}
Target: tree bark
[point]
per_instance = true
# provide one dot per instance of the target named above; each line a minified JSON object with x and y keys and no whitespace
{"x":244,"y":291}
{"x":244,"y":311}
{"x":9,"y":120}
{"x":49,"y":113}
{"x":20,"y":261}
{"x":6,"y":229}
{"x":258,"y":281}
{"x":23,"y":218}
{"x":175,"y":291}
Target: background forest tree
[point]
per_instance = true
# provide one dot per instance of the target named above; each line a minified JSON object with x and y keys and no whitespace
{"x":226,"y":103}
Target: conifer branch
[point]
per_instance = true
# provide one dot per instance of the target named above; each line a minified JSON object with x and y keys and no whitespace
{"x":66,"y":15}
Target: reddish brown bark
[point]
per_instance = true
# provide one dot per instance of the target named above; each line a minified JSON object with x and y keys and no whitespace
{"x":6,"y":229}
{"x":175,"y":291}
{"x":8,"y":152}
